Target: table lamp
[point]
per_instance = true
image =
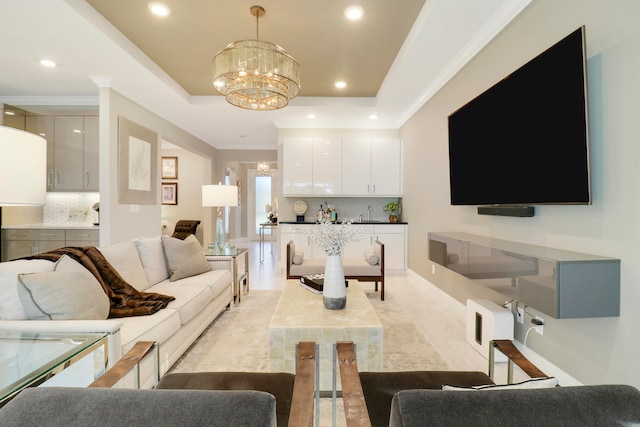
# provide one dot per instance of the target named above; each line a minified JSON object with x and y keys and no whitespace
{"x":219,"y":196}
{"x":23,"y":168}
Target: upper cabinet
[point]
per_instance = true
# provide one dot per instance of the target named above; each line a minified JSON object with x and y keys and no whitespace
{"x":372,"y":167}
{"x":72,"y":151}
{"x":342,"y":167}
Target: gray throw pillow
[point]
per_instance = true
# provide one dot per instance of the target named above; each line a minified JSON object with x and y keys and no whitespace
{"x":298,"y":258}
{"x":62,"y":295}
{"x":185,"y":258}
{"x":371,"y":257}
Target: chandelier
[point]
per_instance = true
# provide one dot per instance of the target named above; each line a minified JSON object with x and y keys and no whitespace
{"x":263,"y":168}
{"x":256,"y":75}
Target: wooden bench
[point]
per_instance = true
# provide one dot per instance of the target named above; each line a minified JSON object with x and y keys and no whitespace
{"x":354,"y":269}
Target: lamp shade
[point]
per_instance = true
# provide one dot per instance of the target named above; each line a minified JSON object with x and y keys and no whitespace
{"x":23,"y":168}
{"x":219,"y":195}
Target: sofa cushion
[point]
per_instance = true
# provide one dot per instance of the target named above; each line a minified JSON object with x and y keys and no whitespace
{"x":111,"y":407}
{"x":153,"y":260}
{"x":10,"y":304}
{"x":63,"y":295}
{"x":217,"y":280}
{"x":125,"y":259}
{"x":184,"y":257}
{"x":157,"y":327}
{"x":576,"y":406}
{"x":190,"y":300}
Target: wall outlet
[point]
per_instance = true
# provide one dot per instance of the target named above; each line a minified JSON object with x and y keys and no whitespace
{"x":520,"y":314}
{"x":539,"y":328}
{"x":433,"y":269}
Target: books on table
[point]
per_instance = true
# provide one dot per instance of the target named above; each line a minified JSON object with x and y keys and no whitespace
{"x":315,"y":283}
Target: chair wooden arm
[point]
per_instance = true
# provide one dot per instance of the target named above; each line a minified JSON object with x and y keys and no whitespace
{"x":124,"y":365}
{"x":302,"y":403}
{"x":355,"y":408}
{"x":513,"y":354}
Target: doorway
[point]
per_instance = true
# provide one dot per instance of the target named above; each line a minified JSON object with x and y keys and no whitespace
{"x":261,"y":196}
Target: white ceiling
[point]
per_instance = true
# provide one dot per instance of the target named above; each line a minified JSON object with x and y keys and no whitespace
{"x":91,"y":52}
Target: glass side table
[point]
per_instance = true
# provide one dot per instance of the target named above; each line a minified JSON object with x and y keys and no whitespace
{"x":28,"y":359}
{"x":232,"y":261}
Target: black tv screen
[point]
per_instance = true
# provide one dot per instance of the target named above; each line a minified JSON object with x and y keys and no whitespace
{"x":524,"y":141}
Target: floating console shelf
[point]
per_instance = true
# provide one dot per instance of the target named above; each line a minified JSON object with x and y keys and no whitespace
{"x":559,"y":283}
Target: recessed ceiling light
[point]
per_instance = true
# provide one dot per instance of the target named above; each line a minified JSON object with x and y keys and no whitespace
{"x":340,"y":84}
{"x":354,"y":12}
{"x":47,"y":63}
{"x":373,"y":116}
{"x":159,"y":9}
{"x":311,"y":116}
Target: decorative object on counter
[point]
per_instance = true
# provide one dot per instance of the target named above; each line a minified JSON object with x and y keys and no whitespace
{"x":300,"y":208}
{"x":393,"y":209}
{"x":219,"y":196}
{"x":23,"y":168}
{"x":332,"y":239}
{"x":96,"y":213}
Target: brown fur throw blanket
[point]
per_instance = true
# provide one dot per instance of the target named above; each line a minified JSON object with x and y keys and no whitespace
{"x":125,"y":299}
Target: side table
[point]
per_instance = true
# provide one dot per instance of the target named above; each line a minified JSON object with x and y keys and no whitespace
{"x":28,"y":359}
{"x":233,"y":263}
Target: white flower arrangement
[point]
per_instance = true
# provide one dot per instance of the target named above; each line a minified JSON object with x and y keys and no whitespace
{"x":333,"y":238}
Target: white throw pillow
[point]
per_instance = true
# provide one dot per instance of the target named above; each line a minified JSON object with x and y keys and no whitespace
{"x":371,"y":257}
{"x":152,"y":257}
{"x":63,"y":295}
{"x":125,"y":259}
{"x":185,"y":258}
{"x":10,"y":304}
{"x":298,"y":258}
{"x":550,"y":382}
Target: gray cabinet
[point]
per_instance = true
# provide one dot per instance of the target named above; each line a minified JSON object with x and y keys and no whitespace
{"x":562,"y":284}
{"x":22,"y":242}
{"x":72,"y":150}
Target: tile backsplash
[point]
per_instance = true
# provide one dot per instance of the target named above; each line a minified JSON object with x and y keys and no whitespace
{"x":70,"y":208}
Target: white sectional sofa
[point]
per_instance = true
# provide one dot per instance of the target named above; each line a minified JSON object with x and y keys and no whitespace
{"x":160,"y":264}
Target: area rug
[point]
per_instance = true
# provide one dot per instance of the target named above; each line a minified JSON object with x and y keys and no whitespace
{"x":238,"y":340}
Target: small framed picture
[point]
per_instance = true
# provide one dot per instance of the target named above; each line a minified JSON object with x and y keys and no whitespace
{"x":169,"y":193}
{"x":169,"y":167}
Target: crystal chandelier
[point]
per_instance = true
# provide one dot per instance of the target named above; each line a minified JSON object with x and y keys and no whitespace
{"x":256,"y":75}
{"x":263,"y":168}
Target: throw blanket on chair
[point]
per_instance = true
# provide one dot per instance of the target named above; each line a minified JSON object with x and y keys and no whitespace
{"x":125,"y":299}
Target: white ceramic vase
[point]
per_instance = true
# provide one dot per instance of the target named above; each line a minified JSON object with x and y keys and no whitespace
{"x":334,"y":292}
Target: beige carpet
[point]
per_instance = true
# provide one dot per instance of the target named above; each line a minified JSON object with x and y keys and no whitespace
{"x":238,"y":340}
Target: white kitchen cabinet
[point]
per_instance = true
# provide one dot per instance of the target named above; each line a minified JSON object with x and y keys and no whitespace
{"x":394,"y":238}
{"x":312,"y":166}
{"x":299,"y":233}
{"x":356,"y":249}
{"x":297,"y":173}
{"x":327,"y":166}
{"x":72,"y":151}
{"x":371,"y":167}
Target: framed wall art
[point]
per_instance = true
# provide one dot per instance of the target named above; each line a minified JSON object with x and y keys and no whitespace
{"x":137,"y":164}
{"x":169,"y":167}
{"x":169,"y":193}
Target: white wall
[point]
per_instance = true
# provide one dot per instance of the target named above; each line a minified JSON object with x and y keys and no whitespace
{"x":119,"y":222}
{"x":592,"y":350}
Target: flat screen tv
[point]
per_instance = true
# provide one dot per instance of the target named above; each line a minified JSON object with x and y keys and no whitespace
{"x":524,"y":141}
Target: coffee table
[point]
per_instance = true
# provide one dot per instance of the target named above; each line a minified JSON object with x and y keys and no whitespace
{"x":28,"y":359}
{"x":300,"y":316}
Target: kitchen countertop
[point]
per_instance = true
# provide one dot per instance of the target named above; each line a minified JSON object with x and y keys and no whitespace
{"x":81,"y":226}
{"x":354,"y":223}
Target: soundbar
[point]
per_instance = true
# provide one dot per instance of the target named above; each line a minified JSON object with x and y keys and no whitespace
{"x":518,"y":211}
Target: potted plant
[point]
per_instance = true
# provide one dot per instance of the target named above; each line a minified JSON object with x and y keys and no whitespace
{"x":393,"y":209}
